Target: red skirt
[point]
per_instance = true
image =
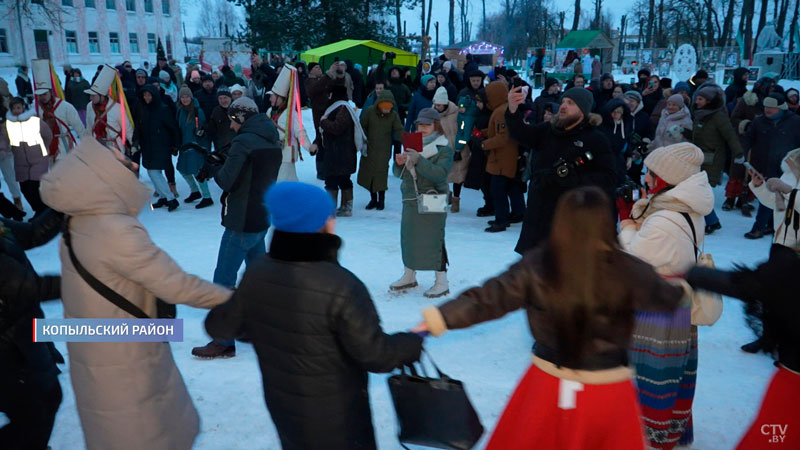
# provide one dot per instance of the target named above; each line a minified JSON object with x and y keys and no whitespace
{"x":547,"y":412}
{"x":777,"y":425}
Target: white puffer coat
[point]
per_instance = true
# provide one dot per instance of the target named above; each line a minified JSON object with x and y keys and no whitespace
{"x":662,"y":236}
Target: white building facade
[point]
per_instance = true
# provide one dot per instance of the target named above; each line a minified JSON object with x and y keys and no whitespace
{"x":91,"y":32}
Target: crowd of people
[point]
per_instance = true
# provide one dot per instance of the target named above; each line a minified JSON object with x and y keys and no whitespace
{"x":628,"y":168}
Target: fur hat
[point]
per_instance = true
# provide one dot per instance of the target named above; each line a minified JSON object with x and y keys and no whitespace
{"x":242,"y":109}
{"x":675,"y":163}
{"x":776,"y":101}
{"x":440,"y":97}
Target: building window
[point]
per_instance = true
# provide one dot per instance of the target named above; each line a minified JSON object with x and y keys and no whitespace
{"x":169,"y":47}
{"x":151,"y":42}
{"x":113,"y":38}
{"x":148,"y":6}
{"x":66,"y":3}
{"x":130,"y":5}
{"x":72,"y":41}
{"x":94,"y":42}
{"x":111,"y":4}
{"x":88,"y":3}
{"x":133,"y":40}
{"x":3,"y":41}
{"x":165,"y":7}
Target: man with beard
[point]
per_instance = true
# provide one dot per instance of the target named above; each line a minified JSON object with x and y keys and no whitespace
{"x":566,"y":153}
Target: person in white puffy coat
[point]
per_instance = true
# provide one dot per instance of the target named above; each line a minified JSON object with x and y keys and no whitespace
{"x":777,"y":194}
{"x":664,"y":346}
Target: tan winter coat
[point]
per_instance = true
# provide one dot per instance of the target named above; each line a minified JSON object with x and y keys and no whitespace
{"x":791,"y":175}
{"x":129,"y":396}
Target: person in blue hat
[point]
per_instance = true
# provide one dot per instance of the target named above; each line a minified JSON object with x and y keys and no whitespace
{"x":314,"y":327}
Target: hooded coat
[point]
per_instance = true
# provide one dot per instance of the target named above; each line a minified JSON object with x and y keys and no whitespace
{"x":712,"y":131}
{"x":422,"y":99}
{"x":156,"y":131}
{"x":666,"y":129}
{"x":422,"y":235}
{"x":449,"y":121}
{"x":381,"y":130}
{"x":541,"y":102}
{"x":738,"y":86}
{"x":30,"y":159}
{"x":252,"y":165}
{"x":618,"y":133}
{"x":550,"y":144}
{"x":75,"y":94}
{"x":129,"y":395}
{"x":503,"y":151}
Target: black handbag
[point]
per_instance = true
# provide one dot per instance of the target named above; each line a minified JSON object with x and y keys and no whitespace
{"x":433,"y":412}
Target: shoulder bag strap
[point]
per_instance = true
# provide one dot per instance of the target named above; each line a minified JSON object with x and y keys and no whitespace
{"x":694,"y":234}
{"x":790,"y":214}
{"x":109,"y":294}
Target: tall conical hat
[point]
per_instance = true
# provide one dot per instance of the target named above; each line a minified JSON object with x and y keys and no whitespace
{"x":284,"y":81}
{"x":103,"y":81}
{"x":41,"y":76}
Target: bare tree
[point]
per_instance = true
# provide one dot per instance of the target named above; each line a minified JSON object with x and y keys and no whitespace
{"x":23,"y":11}
{"x":793,"y":26}
{"x":782,"y":11}
{"x":576,"y":18}
{"x":727,"y":26}
{"x":451,"y":24}
{"x":220,"y":18}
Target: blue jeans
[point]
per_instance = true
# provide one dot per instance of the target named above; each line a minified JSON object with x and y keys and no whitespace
{"x":235,"y":248}
{"x":712,"y":218}
{"x":764,"y":219}
{"x":160,"y":183}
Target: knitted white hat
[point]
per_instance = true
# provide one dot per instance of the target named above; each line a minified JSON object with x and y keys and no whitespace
{"x":440,"y":97}
{"x":675,"y":163}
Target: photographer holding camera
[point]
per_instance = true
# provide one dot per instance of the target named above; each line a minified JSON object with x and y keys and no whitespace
{"x":251,"y":166}
{"x":567,"y":152}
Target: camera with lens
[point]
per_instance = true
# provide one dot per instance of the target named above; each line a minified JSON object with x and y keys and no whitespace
{"x":629,"y":191}
{"x":564,"y":167}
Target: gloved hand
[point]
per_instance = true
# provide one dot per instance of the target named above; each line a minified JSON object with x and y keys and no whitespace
{"x":624,"y":209}
{"x":777,"y":185}
{"x":200,"y":132}
{"x":412,"y":158}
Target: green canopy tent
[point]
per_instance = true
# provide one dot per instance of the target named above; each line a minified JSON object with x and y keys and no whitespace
{"x":365,"y":53}
{"x":595,"y":40}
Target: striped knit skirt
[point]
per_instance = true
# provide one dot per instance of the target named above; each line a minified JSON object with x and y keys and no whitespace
{"x":664,"y":354}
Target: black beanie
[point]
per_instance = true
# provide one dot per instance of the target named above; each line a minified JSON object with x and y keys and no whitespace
{"x":549,"y":82}
{"x":582,"y":97}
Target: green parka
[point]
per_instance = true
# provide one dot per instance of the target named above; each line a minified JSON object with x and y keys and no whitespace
{"x":381,"y":129}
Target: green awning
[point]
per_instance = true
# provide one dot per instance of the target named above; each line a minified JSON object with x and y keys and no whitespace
{"x":363,"y":52}
{"x":585,"y":39}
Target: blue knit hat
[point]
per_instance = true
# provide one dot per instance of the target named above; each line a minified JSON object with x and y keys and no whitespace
{"x":681,"y":86}
{"x":426,"y":78}
{"x":298,"y":207}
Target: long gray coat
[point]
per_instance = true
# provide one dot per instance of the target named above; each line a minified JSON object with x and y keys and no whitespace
{"x":129,"y":395}
{"x":422,"y":235}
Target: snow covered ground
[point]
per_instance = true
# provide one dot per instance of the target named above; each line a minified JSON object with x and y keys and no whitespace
{"x":489,"y":358}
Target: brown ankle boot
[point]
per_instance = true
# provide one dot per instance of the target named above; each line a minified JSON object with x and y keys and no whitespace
{"x":455,"y":204}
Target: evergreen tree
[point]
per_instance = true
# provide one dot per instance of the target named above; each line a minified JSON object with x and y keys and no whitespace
{"x":160,"y":54}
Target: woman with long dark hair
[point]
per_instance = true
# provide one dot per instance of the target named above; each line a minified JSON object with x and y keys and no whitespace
{"x":576,"y":288}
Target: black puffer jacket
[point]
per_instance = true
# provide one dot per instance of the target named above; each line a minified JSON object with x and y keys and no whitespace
{"x":317,"y":334}
{"x":768,"y":140}
{"x":252,"y":165}
{"x":219,"y":129}
{"x":551,"y":147}
{"x":21,"y":291}
{"x":207,"y":100}
{"x":540,"y":103}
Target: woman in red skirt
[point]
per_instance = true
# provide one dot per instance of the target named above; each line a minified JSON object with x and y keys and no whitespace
{"x":771,"y":296}
{"x":580,"y":291}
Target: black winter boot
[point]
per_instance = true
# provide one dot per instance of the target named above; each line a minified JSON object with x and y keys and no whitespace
{"x":729,"y":204}
{"x":373,"y":200}
{"x":172,"y":205}
{"x":381,"y":200}
{"x":193,"y":196}
{"x":753,"y":347}
{"x":162,"y":202}
{"x":206,"y":202}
